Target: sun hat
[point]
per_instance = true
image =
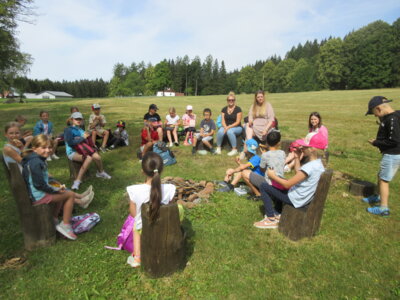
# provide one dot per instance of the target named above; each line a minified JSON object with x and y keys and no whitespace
{"x":317,"y":141}
{"x":374,"y":102}
{"x":77,"y":115}
{"x":252,"y":146}
{"x":189,"y":107}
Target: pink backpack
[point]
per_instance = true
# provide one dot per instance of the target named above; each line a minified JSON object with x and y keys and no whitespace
{"x":125,"y":237}
{"x":84,"y":222}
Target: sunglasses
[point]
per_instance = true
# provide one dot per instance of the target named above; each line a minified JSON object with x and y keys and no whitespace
{"x":231,"y":100}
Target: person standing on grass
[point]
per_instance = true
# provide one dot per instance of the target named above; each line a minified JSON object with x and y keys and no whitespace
{"x":388,"y":142}
{"x":231,"y":118}
{"x":300,"y":189}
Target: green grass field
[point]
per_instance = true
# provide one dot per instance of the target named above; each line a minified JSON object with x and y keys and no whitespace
{"x":354,"y":256}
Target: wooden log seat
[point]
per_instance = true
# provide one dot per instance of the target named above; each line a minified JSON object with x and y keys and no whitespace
{"x":298,"y":223}
{"x":163,"y":242}
{"x":36,"y":221}
{"x":201,"y":146}
{"x":239,"y":143}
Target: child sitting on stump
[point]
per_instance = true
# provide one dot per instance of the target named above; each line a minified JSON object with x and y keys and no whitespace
{"x":301,"y":187}
{"x":388,"y":142}
{"x":207,"y":129}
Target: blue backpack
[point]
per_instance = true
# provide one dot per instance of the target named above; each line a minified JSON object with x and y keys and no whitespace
{"x":167,"y":156}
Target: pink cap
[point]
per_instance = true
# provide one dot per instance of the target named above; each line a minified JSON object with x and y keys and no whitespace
{"x":317,"y":141}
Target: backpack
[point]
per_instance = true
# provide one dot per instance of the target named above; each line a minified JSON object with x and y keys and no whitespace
{"x":85,"y":148}
{"x":125,"y":237}
{"x":167,"y":156}
{"x":84,"y":222}
{"x":219,"y":121}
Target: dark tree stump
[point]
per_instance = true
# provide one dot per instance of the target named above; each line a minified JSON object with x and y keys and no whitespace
{"x":227,"y":146}
{"x":298,"y":223}
{"x":362,"y":188}
{"x":36,"y":221}
{"x":74,"y":167}
{"x":162,"y":243}
{"x":201,"y":146}
{"x":285,"y":144}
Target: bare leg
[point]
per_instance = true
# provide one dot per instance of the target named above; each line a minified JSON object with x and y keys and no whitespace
{"x":207,"y":143}
{"x":236,"y":178}
{"x":106,"y":134}
{"x":160,"y":133}
{"x":384,"y":192}
{"x":94,"y":135}
{"x":147,"y":147}
{"x":97,"y":160}
{"x":175,"y":133}
{"x":67,"y":199}
{"x":246,"y":178}
{"x":169,"y":136}
{"x":84,"y":167}
{"x":136,"y":243}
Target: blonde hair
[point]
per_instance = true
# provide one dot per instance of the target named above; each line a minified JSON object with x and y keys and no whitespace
{"x":20,"y":118}
{"x":38,"y":141}
{"x":172,"y":110}
{"x":231,"y":94}
{"x":11,"y":125}
{"x":259,"y":110}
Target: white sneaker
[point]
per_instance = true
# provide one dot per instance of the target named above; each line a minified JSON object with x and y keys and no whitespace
{"x":171,"y":145}
{"x":54,"y":156}
{"x":233,"y":152}
{"x":202,"y":152}
{"x":48,"y":158}
{"x":218,"y":151}
{"x":242,"y":155}
{"x":134,"y":263}
{"x":87,"y":200}
{"x":286,"y":169}
{"x":103,"y":175}
{"x":88,"y":191}
{"x":66,"y":230}
{"x":75,"y":185}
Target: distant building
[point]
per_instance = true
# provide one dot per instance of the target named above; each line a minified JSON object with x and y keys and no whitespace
{"x":169,"y":93}
{"x":48,"y":95}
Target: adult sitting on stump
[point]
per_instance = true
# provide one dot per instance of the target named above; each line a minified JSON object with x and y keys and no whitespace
{"x":231,"y":124}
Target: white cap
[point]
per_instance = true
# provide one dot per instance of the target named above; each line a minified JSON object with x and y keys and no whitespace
{"x":189,"y":107}
{"x":77,"y":115}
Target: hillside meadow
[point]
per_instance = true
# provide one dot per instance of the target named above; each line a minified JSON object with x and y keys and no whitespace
{"x":354,"y":255}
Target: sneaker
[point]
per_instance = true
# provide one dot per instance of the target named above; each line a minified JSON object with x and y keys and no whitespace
{"x":185,"y":143}
{"x":212,"y":151}
{"x":103,"y":175}
{"x":54,"y":156}
{"x":75,"y":185}
{"x":112,"y":147}
{"x":286,"y":169}
{"x":176,"y":144}
{"x":202,"y":152}
{"x":87,"y":200}
{"x":372,"y":199}
{"x":103,"y":150}
{"x":134,"y":262}
{"x":377,"y":210}
{"x":229,"y":187}
{"x":193,"y":151}
{"x":171,"y":145}
{"x":253,"y":197}
{"x":266,"y":223}
{"x":218,"y":151}
{"x":233,"y":152}
{"x":66,"y":230}
{"x":240,"y":191}
{"x":88,"y":191}
{"x":48,"y":158}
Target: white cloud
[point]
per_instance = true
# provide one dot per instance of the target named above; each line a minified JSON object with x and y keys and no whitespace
{"x":76,"y":39}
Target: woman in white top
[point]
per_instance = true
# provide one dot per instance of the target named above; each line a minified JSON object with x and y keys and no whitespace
{"x":151,"y":191}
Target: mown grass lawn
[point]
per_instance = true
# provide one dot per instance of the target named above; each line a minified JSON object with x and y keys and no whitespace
{"x":354,"y":256}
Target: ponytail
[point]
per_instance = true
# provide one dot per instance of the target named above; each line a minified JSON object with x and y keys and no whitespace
{"x":152,"y":165}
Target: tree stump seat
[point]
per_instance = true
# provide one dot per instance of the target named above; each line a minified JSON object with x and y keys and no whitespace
{"x":298,"y":223}
{"x":239,"y":143}
{"x":36,"y":221}
{"x":163,"y":242}
{"x":362,"y":188}
{"x":201,"y":146}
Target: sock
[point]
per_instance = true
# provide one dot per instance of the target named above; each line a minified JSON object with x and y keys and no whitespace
{"x":384,"y":207}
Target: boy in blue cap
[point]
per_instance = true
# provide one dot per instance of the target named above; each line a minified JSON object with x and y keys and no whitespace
{"x":253,"y":164}
{"x":388,"y":142}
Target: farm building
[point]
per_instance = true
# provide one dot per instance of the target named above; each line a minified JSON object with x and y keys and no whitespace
{"x":169,"y":93}
{"x":48,"y":95}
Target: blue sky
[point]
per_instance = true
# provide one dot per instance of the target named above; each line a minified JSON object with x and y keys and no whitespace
{"x":75,"y":39}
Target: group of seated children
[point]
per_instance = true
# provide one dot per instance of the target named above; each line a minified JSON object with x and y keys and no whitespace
{"x":153,"y":130}
{"x":265,"y":175}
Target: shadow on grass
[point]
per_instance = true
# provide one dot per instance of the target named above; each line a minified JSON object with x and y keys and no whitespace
{"x":189,"y":239}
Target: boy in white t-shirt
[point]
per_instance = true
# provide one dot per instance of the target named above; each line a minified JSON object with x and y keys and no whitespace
{"x":171,"y":125}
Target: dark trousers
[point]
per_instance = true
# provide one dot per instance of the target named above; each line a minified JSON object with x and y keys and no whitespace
{"x":115,"y":141}
{"x":270,"y":193}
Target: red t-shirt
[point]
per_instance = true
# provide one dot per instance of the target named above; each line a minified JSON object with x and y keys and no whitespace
{"x":153,"y":135}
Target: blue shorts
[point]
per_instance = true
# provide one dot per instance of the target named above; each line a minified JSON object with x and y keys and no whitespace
{"x":390,"y":164}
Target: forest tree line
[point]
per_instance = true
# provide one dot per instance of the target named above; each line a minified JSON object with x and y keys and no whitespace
{"x":366,"y":58}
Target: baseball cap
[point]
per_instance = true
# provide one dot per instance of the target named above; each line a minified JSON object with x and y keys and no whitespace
{"x":374,"y":102}
{"x":317,"y":141}
{"x":153,"y":106}
{"x":96,"y":106}
{"x":252,"y":146}
{"x":189,"y":107}
{"x":121,"y":123}
{"x":77,"y":115}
